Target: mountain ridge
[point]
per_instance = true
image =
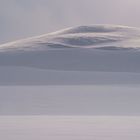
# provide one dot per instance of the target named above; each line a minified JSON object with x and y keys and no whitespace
{"x":92,"y":36}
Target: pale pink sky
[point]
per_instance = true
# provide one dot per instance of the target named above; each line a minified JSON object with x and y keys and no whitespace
{"x":24,"y":18}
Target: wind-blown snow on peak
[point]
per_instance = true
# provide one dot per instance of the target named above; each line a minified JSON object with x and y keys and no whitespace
{"x":103,"y":37}
{"x":99,"y":28}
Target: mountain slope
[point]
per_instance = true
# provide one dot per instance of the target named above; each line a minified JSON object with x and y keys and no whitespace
{"x":94,"y":36}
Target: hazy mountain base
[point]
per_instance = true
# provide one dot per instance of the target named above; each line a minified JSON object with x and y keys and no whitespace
{"x":75,"y":60}
{"x":30,"y":76}
{"x":72,"y":66}
{"x":70,"y":100}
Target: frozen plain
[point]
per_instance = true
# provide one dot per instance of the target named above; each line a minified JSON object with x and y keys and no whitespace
{"x":70,"y":128}
{"x":70,"y":112}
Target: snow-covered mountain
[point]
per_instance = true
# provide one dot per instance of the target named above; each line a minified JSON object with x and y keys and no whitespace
{"x":110,"y":37}
{"x":83,"y":55}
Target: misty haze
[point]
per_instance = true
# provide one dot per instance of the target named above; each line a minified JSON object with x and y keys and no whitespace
{"x":69,"y":70}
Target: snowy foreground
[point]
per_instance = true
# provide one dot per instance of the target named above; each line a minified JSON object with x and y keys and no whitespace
{"x":70,"y":112}
{"x":69,"y":128}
